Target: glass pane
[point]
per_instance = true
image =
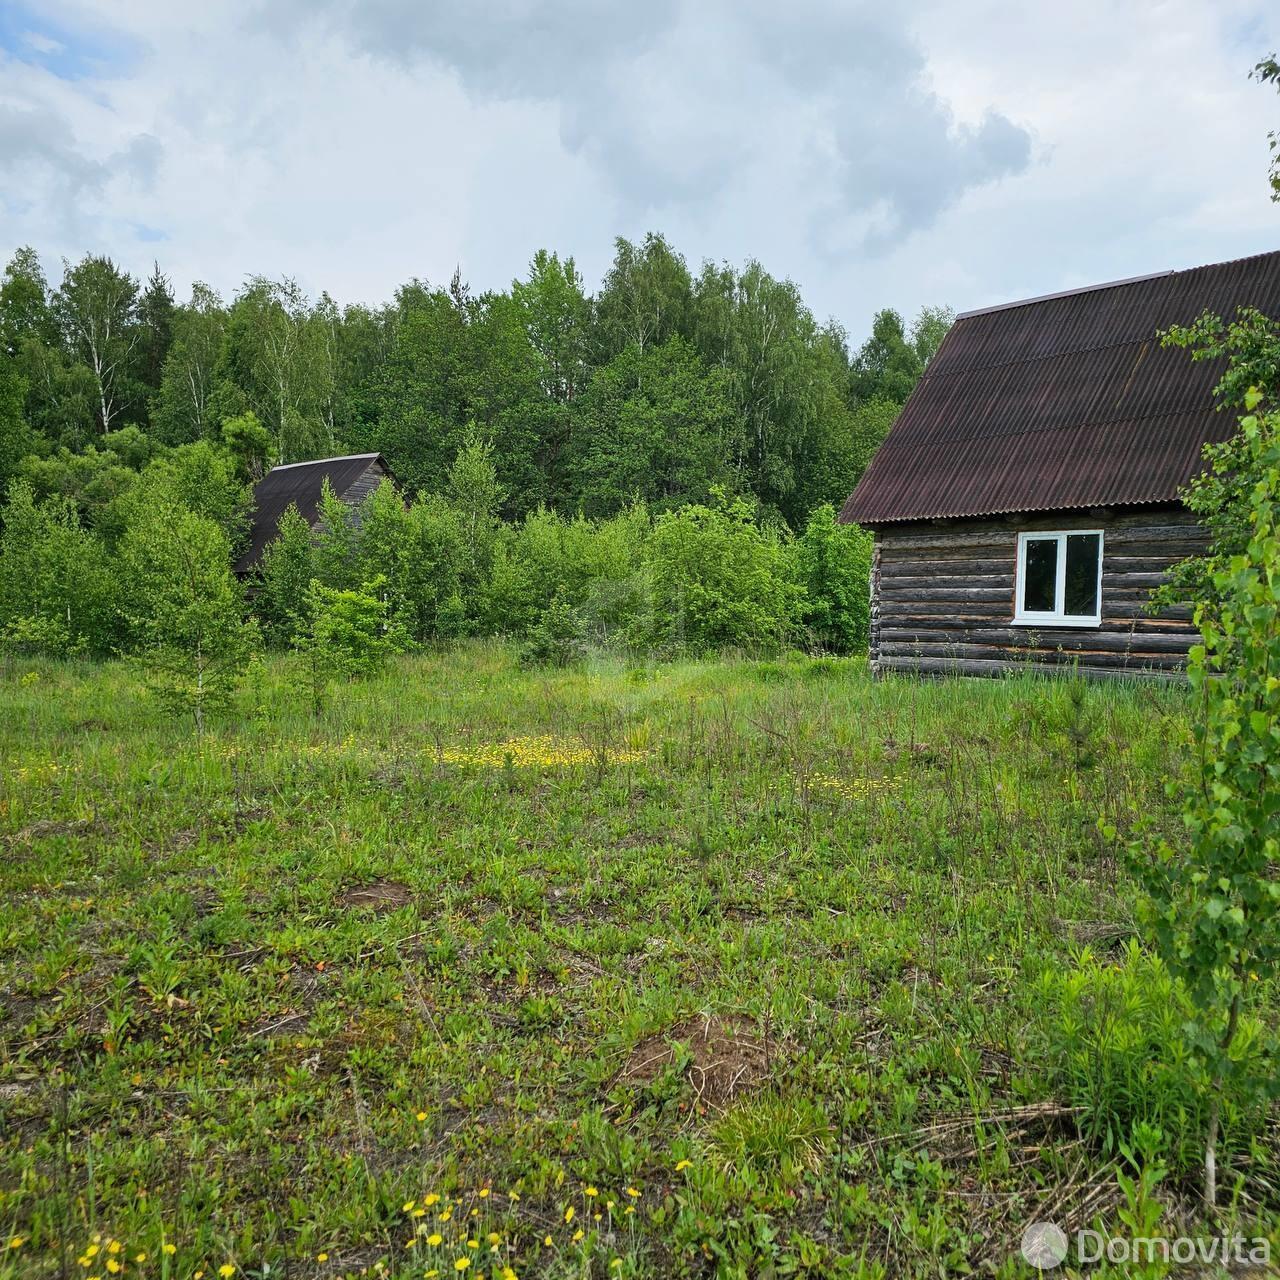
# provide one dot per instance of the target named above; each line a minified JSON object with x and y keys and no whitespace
{"x":1082,"y":574}
{"x":1041,"y":578}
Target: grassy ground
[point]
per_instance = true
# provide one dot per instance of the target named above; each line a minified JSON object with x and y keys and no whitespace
{"x":735,"y":968}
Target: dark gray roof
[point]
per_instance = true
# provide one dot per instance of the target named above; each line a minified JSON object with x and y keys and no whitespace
{"x":1063,"y":402}
{"x":300,"y":483}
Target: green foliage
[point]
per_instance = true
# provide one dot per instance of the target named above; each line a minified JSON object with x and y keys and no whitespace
{"x":717,"y":579}
{"x":249,"y":443}
{"x":57,"y":583}
{"x":556,"y":639}
{"x":1220,"y":494}
{"x":1109,"y":1034}
{"x":278,"y":350}
{"x":890,"y":362}
{"x":16,"y":437}
{"x":96,"y":307}
{"x":656,"y":426}
{"x":833,"y":567}
{"x":346,"y":633}
{"x":1268,"y":72}
{"x":184,"y":607}
{"x":181,"y":408}
{"x":594,"y":567}
{"x":285,"y":574}
{"x":1215,"y":903}
{"x":475,"y":495}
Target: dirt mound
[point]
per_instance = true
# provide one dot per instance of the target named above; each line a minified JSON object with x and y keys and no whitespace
{"x":382,"y":896}
{"x":727,"y":1057}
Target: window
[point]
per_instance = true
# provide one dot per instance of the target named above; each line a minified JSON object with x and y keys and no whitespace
{"x":1059,"y":579}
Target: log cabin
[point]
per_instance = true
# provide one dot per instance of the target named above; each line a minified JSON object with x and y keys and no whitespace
{"x":1026,"y":500}
{"x":353,"y":477}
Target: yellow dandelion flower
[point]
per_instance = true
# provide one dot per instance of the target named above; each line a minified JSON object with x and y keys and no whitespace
{"x":508,"y":1274}
{"x":513,"y":1195}
{"x":682,"y":1165}
{"x":483,"y":1193}
{"x":16,"y":1242}
{"x":91,"y":1251}
{"x":591,"y":1191}
{"x":435,"y":1239}
{"x":113,"y":1266}
{"x":170,"y":1249}
{"x":462,"y":1264}
{"x":547,"y":1241}
{"x":633,"y":1193}
{"x":422,"y":1115}
{"x":577,"y":1235}
{"x":446,"y":1215}
{"x":139,"y":1257}
{"x":114,"y":1246}
{"x":493,"y":1237}
{"x":473,"y":1244}
{"x":431,"y":1199}
{"x":322,"y":1257}
{"x":226,"y":1271}
{"x":408,"y":1206}
{"x":629,"y":1209}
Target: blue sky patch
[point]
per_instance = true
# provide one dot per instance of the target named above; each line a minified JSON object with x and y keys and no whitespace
{"x":69,"y":52}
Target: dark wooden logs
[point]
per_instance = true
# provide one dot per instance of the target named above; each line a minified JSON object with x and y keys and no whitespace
{"x":943,"y":597}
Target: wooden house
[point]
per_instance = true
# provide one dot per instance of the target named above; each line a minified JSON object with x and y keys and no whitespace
{"x":353,"y":478}
{"x":1026,"y":500}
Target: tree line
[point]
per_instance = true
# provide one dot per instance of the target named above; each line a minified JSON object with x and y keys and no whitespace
{"x":663,"y":386}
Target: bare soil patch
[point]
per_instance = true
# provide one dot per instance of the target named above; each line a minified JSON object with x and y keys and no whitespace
{"x":382,"y":896}
{"x":727,"y":1057}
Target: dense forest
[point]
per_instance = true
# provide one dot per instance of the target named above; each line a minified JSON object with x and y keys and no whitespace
{"x":518,"y":421}
{"x":662,"y":385}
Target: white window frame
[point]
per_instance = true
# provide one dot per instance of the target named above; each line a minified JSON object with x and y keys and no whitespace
{"x":1055,"y":618}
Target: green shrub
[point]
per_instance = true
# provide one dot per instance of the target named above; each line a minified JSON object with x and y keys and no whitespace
{"x":1110,"y":1037}
{"x":555,"y":640}
{"x":348,"y":633}
{"x":593,"y":566}
{"x":185,"y":608}
{"x":833,"y":565}
{"x":718,"y":580}
{"x":58,"y":584}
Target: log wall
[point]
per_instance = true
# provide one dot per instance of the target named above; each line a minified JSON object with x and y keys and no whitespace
{"x":942,"y":597}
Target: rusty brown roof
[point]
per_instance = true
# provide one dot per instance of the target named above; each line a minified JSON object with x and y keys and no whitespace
{"x":1063,"y":402}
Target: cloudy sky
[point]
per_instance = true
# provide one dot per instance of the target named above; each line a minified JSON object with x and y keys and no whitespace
{"x":876,"y":153}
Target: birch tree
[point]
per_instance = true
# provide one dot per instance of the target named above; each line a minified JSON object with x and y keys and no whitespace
{"x":97,"y":308}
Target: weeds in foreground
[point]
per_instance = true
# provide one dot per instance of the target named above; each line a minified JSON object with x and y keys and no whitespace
{"x":784,"y":951}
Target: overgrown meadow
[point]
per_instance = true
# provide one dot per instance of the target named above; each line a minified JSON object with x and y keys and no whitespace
{"x":736,"y":968}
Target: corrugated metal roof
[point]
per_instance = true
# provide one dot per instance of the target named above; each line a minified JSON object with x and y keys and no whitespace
{"x":1062,"y":402}
{"x":300,"y":483}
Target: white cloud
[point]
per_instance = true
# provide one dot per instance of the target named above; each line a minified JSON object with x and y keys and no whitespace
{"x":932,"y":153}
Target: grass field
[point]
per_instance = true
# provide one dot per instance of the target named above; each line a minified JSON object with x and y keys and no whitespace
{"x":736,"y":968}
